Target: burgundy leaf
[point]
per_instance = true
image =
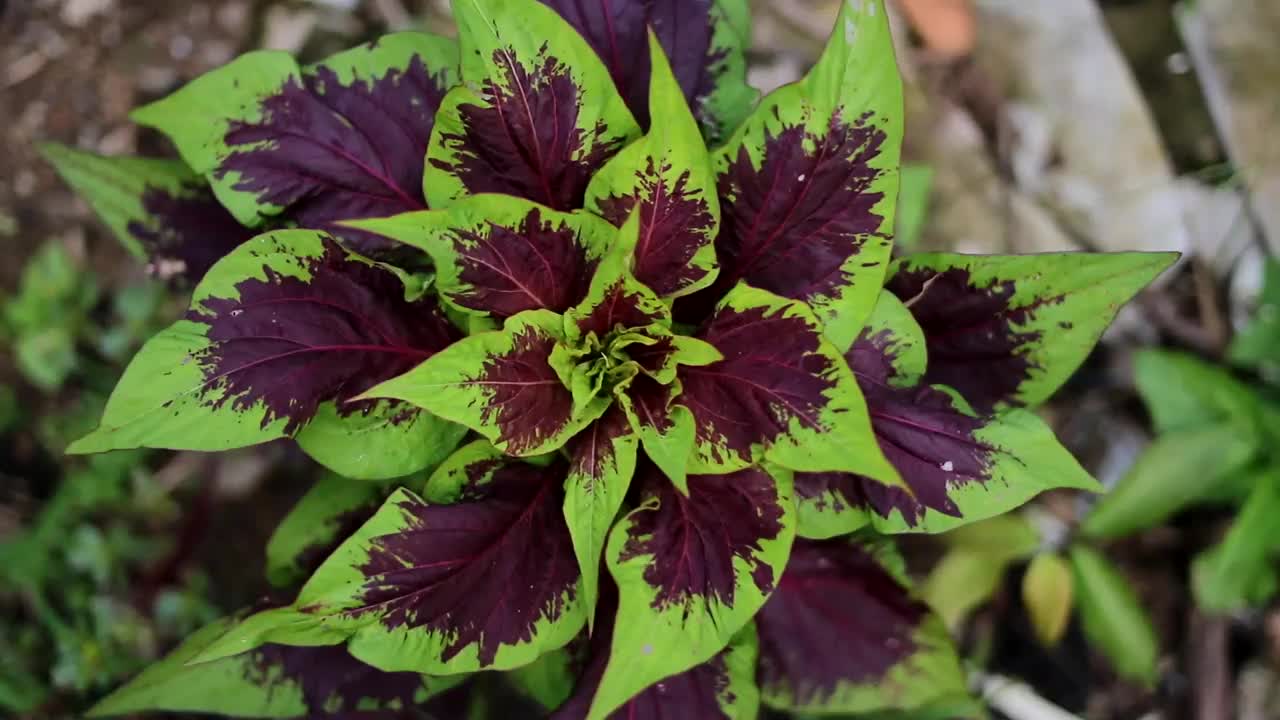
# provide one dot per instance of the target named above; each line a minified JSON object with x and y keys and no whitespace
{"x":294,"y":344}
{"x":790,"y":226}
{"x":674,"y":223}
{"x":929,"y":442}
{"x":618,"y":32}
{"x":770,"y":376}
{"x":695,"y":539}
{"x":186,"y":232}
{"x":335,"y":685}
{"x":591,"y":451}
{"x":836,"y":617}
{"x":534,"y":266}
{"x":529,"y":402}
{"x":484,"y":570}
{"x":972,"y":333}
{"x":329,"y":151}
{"x":527,"y":141}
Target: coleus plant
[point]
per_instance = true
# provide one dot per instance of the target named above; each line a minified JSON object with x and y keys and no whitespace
{"x":628,"y":392}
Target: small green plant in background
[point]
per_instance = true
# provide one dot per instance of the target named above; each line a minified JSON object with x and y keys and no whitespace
{"x":1217,"y":444}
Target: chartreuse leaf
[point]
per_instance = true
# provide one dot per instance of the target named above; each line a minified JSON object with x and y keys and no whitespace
{"x":1008,"y":330}
{"x":199,"y":116}
{"x":381,"y":441}
{"x":782,"y":391}
{"x":502,"y":385}
{"x":537,"y":114}
{"x":332,"y":509}
{"x":666,"y":178}
{"x":1113,"y":620}
{"x":481,"y":575}
{"x":1183,"y":392}
{"x":842,"y":633}
{"x":975,"y":562}
{"x":723,"y":688}
{"x":692,"y":570}
{"x":550,"y":679}
{"x":160,"y":210}
{"x":1048,"y":593}
{"x":285,"y":324}
{"x":809,"y":182}
{"x":1179,"y":468}
{"x":272,"y":681}
{"x":602,"y":462}
{"x":499,"y":255}
{"x":1241,"y":571}
{"x":337,"y":140}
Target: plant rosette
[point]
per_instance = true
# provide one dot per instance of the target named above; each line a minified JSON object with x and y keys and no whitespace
{"x":637,"y":392}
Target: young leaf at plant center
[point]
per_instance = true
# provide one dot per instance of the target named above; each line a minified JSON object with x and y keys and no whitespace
{"x":843,"y":634}
{"x":808,"y":183}
{"x":1113,"y":620}
{"x":160,"y":210}
{"x":666,"y":177}
{"x":1048,"y":594}
{"x":1008,"y":330}
{"x":273,"y":681}
{"x":1177,"y":469}
{"x":959,"y":466}
{"x":602,"y":460}
{"x":1240,"y":572}
{"x":342,"y":139}
{"x":500,"y":255}
{"x":705,"y":40}
{"x":691,"y":572}
{"x":287,"y":322}
{"x":1183,"y":392}
{"x":782,"y":391}
{"x":378,"y":440}
{"x":1258,"y":344}
{"x":502,"y":385}
{"x":325,"y":516}
{"x":488,"y":581}
{"x":537,"y":114}
{"x":723,"y":688}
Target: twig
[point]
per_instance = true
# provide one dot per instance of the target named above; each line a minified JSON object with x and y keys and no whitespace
{"x":1018,"y":701}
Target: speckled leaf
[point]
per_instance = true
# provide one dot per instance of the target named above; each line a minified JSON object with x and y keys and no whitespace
{"x":326,"y":515}
{"x":499,"y":255}
{"x":273,"y":681}
{"x":480,"y":575}
{"x":705,"y":40}
{"x":344,"y":138}
{"x":809,"y":182}
{"x":537,"y":115}
{"x":159,"y":209}
{"x":843,"y":634}
{"x":1009,"y":330}
{"x":960,"y":467}
{"x":691,"y":572}
{"x":286,"y":323}
{"x":500,"y":384}
{"x":782,"y":392}
{"x":666,"y":178}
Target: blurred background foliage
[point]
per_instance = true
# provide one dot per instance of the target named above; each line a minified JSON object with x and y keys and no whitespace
{"x":1033,"y":125}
